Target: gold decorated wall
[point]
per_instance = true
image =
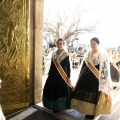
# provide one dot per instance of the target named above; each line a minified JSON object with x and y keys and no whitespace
{"x":14,"y":54}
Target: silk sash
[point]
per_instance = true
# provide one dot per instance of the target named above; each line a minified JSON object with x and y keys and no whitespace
{"x":96,"y":73}
{"x":62,"y":72}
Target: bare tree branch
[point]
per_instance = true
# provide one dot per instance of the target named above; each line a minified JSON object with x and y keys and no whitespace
{"x":60,"y":28}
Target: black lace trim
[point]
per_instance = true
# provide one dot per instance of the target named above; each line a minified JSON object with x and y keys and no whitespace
{"x":87,"y":96}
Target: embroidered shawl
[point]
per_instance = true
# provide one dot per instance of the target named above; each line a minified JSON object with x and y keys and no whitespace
{"x":105,"y":83}
{"x":59,"y":57}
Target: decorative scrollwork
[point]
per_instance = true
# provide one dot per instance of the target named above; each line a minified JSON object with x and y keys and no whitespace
{"x":13,"y":54}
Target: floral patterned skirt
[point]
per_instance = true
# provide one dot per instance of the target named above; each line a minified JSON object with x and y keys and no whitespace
{"x":102,"y":107}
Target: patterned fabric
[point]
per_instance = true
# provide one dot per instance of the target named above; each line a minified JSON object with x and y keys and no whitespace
{"x":87,"y":86}
{"x":105,"y":84}
{"x":89,"y":93}
{"x":59,"y":57}
{"x":115,"y":75}
{"x":102,"y":106}
{"x":56,"y":93}
{"x":94,"y":58}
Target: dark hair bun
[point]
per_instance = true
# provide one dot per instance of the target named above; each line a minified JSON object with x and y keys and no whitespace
{"x":96,"y":40}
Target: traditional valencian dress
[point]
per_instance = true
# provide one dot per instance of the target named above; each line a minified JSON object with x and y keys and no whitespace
{"x":56,"y":93}
{"x":89,"y":96}
{"x":115,"y":69}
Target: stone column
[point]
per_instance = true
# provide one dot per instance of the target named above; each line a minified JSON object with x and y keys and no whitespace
{"x":38,"y":49}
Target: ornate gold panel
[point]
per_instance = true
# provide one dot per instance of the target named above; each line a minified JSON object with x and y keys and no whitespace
{"x":14,"y":54}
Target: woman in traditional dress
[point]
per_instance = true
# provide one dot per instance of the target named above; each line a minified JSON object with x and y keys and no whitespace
{"x":115,"y":73}
{"x":91,"y":95}
{"x":57,"y":90}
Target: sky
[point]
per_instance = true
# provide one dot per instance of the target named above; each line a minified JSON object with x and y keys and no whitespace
{"x":104,"y":12}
